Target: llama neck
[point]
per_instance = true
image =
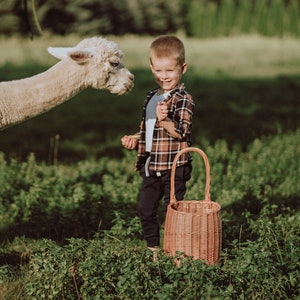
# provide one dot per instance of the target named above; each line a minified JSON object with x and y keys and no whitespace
{"x":26,"y":98}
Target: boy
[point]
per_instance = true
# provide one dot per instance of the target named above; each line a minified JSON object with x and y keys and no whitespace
{"x":165,"y":129}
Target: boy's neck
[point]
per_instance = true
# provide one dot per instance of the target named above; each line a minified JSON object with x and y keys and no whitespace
{"x":161,"y":92}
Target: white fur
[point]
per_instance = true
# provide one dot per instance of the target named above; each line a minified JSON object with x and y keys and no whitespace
{"x":94,"y":62}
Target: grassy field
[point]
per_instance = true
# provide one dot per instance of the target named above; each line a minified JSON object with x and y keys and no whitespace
{"x":240,"y":56}
{"x":247,"y":86}
{"x":68,"y":192}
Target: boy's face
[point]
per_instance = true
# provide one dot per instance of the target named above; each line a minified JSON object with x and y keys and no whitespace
{"x":167,"y":72}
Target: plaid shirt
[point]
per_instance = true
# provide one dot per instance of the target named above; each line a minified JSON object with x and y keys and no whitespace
{"x":164,"y":146}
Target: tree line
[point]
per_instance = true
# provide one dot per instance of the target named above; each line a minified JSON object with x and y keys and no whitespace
{"x":198,"y":18}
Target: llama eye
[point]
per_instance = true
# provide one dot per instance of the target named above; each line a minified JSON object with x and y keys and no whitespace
{"x":114,"y":64}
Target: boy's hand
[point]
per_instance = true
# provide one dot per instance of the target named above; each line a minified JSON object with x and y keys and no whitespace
{"x":129,"y":142}
{"x":161,"y":111}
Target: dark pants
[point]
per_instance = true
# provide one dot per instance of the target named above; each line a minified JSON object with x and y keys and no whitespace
{"x":153,"y":188}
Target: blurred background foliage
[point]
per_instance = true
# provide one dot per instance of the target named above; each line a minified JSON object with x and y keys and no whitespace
{"x":64,"y":174}
{"x":198,"y":18}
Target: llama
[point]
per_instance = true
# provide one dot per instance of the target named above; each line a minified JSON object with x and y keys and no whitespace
{"x":94,"y":62}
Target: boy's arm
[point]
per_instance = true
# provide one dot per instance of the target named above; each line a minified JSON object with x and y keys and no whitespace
{"x":164,"y":121}
{"x":130,"y":141}
{"x":136,"y":136}
{"x":168,"y":124}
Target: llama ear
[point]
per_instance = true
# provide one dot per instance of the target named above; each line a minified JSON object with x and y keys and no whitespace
{"x":60,"y":52}
{"x":80,"y":56}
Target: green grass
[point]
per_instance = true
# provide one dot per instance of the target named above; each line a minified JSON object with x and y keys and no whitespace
{"x":246,"y":85}
{"x":92,"y":123}
{"x":237,"y":56}
{"x":83,"y":184}
{"x":74,"y":226}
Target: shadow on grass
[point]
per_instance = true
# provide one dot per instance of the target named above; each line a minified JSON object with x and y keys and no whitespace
{"x":60,"y":224}
{"x":92,"y":123}
{"x":236,"y":225}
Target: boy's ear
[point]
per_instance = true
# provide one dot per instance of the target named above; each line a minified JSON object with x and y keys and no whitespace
{"x":184,"y":68}
{"x":151,"y":67}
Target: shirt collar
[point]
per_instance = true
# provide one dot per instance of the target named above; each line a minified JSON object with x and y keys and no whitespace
{"x":179,"y":87}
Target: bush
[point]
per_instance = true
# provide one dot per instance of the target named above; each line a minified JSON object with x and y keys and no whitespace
{"x":257,"y":190}
{"x":195,"y":18}
{"x":270,"y":18}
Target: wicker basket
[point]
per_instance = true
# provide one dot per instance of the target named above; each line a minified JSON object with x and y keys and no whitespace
{"x":192,"y":226}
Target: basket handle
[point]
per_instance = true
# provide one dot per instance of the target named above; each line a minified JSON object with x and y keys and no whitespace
{"x":207,"y":168}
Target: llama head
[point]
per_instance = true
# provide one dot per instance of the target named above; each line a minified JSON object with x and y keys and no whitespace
{"x":100,"y":63}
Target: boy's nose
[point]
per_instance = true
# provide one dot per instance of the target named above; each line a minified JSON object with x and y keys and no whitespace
{"x":164,"y":75}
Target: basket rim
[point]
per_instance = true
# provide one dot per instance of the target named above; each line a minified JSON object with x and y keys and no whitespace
{"x":216,"y":205}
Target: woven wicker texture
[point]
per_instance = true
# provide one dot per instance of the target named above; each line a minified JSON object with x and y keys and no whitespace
{"x":193,"y":227}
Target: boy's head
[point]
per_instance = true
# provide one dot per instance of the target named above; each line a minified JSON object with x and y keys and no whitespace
{"x":168,"y":46}
{"x":167,"y":62}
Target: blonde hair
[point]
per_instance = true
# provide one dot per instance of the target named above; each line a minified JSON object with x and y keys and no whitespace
{"x":166,"y":46}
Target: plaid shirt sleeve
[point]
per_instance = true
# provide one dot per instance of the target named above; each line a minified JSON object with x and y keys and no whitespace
{"x":164,"y":146}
